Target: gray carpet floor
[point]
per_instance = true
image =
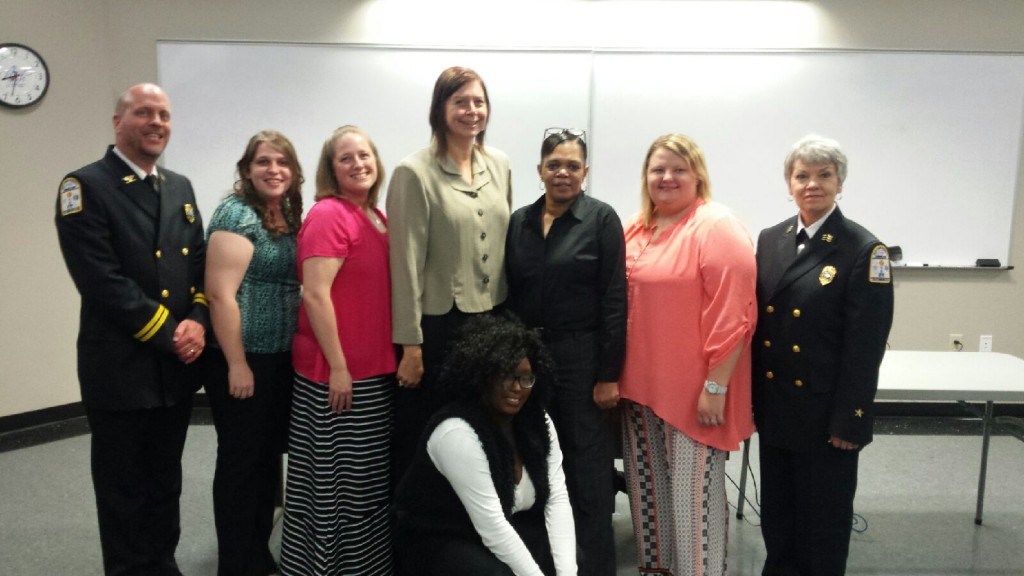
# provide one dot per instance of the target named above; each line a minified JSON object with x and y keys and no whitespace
{"x":916,"y":498}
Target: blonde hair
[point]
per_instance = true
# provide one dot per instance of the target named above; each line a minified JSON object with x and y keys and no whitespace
{"x":685,"y":148}
{"x":327,"y":184}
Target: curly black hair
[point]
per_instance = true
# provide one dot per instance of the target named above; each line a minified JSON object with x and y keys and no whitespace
{"x":487,"y":349}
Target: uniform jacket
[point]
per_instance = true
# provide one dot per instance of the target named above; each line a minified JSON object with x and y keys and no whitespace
{"x":821,"y":333}
{"x":447,"y":237}
{"x":137,"y":260}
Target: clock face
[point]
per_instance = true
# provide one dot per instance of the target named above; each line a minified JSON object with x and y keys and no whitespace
{"x":24,"y":77}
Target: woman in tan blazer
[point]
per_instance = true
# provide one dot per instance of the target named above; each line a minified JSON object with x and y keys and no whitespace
{"x":448,"y":207}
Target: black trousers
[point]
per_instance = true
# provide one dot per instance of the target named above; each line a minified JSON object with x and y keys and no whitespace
{"x":136,"y":474}
{"x":459,"y":557}
{"x":807,"y":510}
{"x":251,"y":436}
{"x":584,"y":434}
{"x":415,"y":406}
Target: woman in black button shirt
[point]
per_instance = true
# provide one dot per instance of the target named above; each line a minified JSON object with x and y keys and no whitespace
{"x":565,"y":258}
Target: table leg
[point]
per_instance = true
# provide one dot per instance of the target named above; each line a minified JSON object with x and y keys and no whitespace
{"x":987,"y":431}
{"x":743,"y":479}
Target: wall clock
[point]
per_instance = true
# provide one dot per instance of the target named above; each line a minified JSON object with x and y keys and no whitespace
{"x":24,"y":77}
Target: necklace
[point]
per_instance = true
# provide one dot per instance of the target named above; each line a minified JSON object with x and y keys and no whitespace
{"x":631,"y":263}
{"x":374,"y":219}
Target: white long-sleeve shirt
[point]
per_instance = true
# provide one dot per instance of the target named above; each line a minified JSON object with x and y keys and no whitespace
{"x":456,"y":451}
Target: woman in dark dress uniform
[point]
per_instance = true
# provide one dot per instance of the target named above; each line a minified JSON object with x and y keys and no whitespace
{"x":825,"y":305}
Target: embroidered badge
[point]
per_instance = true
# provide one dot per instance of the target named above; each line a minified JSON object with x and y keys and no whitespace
{"x":828,"y":274}
{"x":70,"y":196}
{"x":129,"y":179}
{"x":880,"y":271}
{"x":190,"y":213}
{"x":827,"y":238}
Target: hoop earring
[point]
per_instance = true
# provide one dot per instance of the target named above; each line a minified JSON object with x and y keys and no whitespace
{"x":839,"y":196}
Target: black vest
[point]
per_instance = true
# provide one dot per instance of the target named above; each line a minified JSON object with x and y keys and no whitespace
{"x":428,"y":512}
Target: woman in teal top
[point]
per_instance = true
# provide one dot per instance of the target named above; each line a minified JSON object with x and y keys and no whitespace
{"x":254,"y":295}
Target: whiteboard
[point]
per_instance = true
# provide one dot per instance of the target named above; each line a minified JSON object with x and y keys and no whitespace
{"x":223,"y":93}
{"x":933,"y":139}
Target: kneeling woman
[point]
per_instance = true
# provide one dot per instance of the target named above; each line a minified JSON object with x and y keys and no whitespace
{"x":485,"y":493}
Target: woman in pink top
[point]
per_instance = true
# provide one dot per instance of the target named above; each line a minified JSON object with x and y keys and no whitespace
{"x":337,"y":508}
{"x":692,"y":310}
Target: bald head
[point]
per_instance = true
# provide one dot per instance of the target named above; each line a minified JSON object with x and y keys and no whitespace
{"x":133,"y":93}
{"x":142,"y":124}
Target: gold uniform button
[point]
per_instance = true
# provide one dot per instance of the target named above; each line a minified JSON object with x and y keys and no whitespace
{"x":796,"y":348}
{"x":796,"y":313}
{"x":192,"y":290}
{"x":159,"y":254}
{"x":770,"y":309}
{"x":799,"y":383}
{"x":767,"y":343}
{"x":769,"y":375}
{"x":184,"y":251}
{"x":165,"y":293}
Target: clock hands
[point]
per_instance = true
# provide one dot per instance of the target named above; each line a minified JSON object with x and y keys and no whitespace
{"x":12,"y":75}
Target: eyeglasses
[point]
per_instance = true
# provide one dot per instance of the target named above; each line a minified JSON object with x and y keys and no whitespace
{"x":525,"y":381}
{"x":577,"y":132}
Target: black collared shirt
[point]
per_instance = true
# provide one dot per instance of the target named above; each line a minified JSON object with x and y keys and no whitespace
{"x":573,"y":280}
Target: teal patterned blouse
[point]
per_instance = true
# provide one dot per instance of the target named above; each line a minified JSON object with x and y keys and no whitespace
{"x":269,"y":295}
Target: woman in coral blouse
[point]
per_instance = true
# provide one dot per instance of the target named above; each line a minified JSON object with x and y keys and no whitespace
{"x":692,"y":310}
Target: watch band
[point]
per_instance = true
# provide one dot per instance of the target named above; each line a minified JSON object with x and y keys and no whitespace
{"x":713,"y":388}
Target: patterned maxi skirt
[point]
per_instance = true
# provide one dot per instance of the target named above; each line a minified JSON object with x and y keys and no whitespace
{"x":676,"y":496}
{"x":338,"y":492}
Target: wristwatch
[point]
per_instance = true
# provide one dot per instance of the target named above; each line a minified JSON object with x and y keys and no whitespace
{"x":713,"y":388}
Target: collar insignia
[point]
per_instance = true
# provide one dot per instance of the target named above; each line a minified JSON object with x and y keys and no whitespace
{"x":827,"y":238}
{"x":129,"y":179}
{"x":190,"y":213}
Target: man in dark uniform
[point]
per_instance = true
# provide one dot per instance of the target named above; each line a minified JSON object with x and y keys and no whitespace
{"x":825,"y":306}
{"x":132,"y":240}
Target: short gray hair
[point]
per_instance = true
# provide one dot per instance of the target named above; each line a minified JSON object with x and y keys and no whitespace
{"x":814,"y":149}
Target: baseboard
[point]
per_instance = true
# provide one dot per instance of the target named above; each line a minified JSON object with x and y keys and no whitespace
{"x":35,"y":418}
{"x":59,"y":422}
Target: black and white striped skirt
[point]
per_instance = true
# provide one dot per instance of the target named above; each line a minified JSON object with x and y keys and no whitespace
{"x":339,"y":487}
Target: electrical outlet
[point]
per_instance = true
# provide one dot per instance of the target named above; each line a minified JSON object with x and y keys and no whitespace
{"x":956,"y":342}
{"x":985,"y":343}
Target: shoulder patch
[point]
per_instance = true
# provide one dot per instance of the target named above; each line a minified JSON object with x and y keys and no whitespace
{"x":880,"y":272}
{"x":70,"y":196}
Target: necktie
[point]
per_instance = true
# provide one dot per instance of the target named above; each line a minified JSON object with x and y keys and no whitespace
{"x":801,"y":239}
{"x":154,"y":183}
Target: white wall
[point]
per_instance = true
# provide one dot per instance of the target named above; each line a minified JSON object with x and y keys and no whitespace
{"x":95,"y":49}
